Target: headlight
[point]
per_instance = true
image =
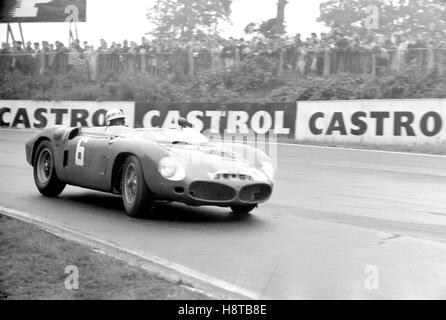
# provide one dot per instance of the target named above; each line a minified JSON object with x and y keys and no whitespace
{"x":171,"y":169}
{"x":268,"y":169}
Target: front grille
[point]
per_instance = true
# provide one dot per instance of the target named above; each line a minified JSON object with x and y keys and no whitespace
{"x":255,"y":193}
{"x":211,"y":191}
{"x":233,"y":176}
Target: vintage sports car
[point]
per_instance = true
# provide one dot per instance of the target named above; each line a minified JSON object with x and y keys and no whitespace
{"x":147,"y":166}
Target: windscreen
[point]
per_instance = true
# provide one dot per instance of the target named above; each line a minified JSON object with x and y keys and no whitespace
{"x":185,"y":135}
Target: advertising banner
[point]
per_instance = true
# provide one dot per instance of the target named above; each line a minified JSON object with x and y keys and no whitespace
{"x":30,"y":114}
{"x":399,"y":122}
{"x":215,"y":118}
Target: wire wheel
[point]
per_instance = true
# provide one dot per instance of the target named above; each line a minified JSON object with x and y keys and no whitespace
{"x":44,"y":165}
{"x":136,"y":196}
{"x":130,"y":185}
{"x":44,"y":168}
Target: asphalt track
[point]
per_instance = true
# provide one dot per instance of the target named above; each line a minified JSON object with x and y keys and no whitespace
{"x":334,"y":212}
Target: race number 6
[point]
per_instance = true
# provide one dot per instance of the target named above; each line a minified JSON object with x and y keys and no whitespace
{"x":80,"y":151}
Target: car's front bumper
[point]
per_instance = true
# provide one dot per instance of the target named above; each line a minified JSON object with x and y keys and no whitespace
{"x":215,"y":193}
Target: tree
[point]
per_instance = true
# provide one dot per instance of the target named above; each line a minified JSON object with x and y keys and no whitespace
{"x":188,"y":18}
{"x":280,"y":17}
{"x":350,"y":15}
{"x":273,"y":27}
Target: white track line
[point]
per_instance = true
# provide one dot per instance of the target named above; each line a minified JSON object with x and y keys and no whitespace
{"x":347,"y":148}
{"x":364,"y":150}
{"x":300,"y":145}
{"x":164,"y":268}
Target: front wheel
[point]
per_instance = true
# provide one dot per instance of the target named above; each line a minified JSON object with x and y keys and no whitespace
{"x":135,"y":193}
{"x":45,"y":176}
{"x":243,"y":209}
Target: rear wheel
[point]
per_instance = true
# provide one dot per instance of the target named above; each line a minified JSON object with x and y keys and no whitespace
{"x":243,"y":209}
{"x":45,"y":176}
{"x":135,"y":193}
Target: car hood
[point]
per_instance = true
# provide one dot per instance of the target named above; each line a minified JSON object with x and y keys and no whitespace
{"x":213,"y":159}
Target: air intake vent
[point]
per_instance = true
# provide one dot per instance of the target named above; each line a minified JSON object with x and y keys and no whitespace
{"x":233,"y":176}
{"x":255,"y":193}
{"x":211,"y":191}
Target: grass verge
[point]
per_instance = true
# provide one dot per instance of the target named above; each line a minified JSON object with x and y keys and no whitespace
{"x":33,"y":262}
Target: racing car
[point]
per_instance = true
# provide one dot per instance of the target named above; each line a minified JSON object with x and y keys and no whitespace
{"x":148,"y":166}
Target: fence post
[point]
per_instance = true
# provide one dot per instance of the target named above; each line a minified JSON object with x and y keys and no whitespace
{"x":373,"y":63}
{"x":327,"y":62}
{"x":142,"y":58}
{"x":191,"y":64}
{"x":42,"y":63}
{"x":212,"y":60}
{"x":237,"y":57}
{"x":94,"y":65}
{"x":281,"y":59}
{"x":440,"y":54}
{"x":430,"y":59}
{"x":132,"y":63}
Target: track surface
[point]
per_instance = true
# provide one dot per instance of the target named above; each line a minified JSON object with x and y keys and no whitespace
{"x":333,"y":213}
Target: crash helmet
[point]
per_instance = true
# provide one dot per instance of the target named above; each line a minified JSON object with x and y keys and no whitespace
{"x":114,"y":114}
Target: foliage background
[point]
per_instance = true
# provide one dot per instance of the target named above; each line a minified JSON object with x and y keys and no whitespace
{"x":255,"y":81}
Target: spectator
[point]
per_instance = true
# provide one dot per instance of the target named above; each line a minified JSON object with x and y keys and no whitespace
{"x":401,"y":51}
{"x":45,"y":47}
{"x":144,"y":46}
{"x":414,"y":54}
{"x":76,"y":45}
{"x":17,"y":48}
{"x":29,"y":48}
{"x":319,"y":49}
{"x":301,"y":63}
{"x":102,"y":47}
{"x":290,"y":53}
{"x":36,"y":48}
{"x":439,"y":40}
{"x":382,"y":54}
{"x":60,"y":47}
{"x":6,"y":48}
{"x":228,"y":54}
{"x":125,"y":47}
{"x":133,"y":47}
{"x":350,"y":53}
{"x":396,"y":35}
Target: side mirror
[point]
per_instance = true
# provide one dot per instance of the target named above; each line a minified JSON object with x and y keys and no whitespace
{"x":183,"y":123}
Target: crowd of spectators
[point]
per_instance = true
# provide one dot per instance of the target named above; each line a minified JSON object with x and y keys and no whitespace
{"x":302,"y":55}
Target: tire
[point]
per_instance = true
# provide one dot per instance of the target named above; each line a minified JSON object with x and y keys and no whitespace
{"x":136,"y":195}
{"x":45,"y":175}
{"x":243,"y":209}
